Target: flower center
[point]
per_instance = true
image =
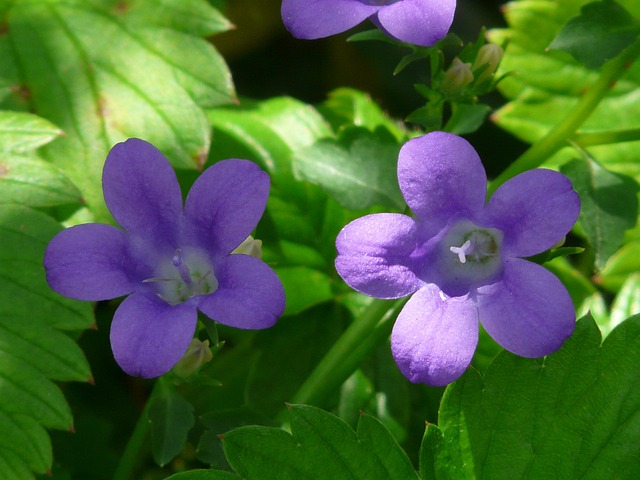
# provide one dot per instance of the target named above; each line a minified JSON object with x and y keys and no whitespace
{"x":469,"y":254}
{"x":186,"y":274}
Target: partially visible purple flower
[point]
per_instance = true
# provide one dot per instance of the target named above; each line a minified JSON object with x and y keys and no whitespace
{"x":461,"y":259}
{"x":171,"y":262}
{"x":419,"y":22}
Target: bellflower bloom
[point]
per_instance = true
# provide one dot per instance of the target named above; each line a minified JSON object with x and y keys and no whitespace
{"x":169,"y":260}
{"x":461,"y":259}
{"x":419,"y":22}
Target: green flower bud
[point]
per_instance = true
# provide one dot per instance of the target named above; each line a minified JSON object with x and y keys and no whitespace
{"x":489,"y":55}
{"x":457,"y":77}
{"x":198,"y":353}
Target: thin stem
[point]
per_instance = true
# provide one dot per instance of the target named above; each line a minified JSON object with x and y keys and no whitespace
{"x":606,"y":137}
{"x":131,"y":456}
{"x":366,"y":332}
{"x":557,"y":137}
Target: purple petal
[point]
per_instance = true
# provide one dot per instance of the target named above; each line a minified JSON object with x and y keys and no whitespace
{"x":374,"y":255}
{"x":149,"y":336}
{"x":310,"y":19}
{"x":535,"y":210}
{"x":529,"y":312}
{"x":420,"y":22}
{"x":90,"y":262}
{"x":225,"y":204}
{"x":142,"y":191}
{"x":435,"y":337}
{"x":441,"y":176}
{"x":249,"y":296}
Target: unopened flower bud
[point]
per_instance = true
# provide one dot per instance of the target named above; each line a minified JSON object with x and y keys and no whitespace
{"x":198,"y":353}
{"x":489,"y":55}
{"x":250,"y":246}
{"x":457,"y":77}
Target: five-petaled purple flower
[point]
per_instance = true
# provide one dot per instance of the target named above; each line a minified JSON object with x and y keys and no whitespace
{"x":171,"y":262}
{"x":419,"y":22}
{"x":461,"y":259}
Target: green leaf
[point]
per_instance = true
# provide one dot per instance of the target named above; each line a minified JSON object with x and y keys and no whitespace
{"x":32,"y":349}
{"x":601,"y":31}
{"x":103,"y":73}
{"x":602,"y":194}
{"x":466,"y":118}
{"x":348,"y":106}
{"x":321,"y":446}
{"x":21,"y":132}
{"x":624,"y":263}
{"x":304,"y":288}
{"x":358,"y":170}
{"x":573,"y":414}
{"x":626,"y":303}
{"x":377,"y":438}
{"x":34,"y":183}
{"x":268,"y":132}
{"x":543,"y":86}
{"x":203,"y":475}
{"x":171,"y":418}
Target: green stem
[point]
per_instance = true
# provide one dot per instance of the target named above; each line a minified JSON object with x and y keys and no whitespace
{"x":131,"y":456}
{"x":557,"y":137}
{"x":606,"y":137}
{"x":364,"y":334}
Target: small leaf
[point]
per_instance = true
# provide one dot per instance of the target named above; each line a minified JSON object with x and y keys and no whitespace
{"x":601,"y":31}
{"x":601,"y":195}
{"x":171,"y":418}
{"x":466,"y":118}
{"x":21,"y":132}
{"x":34,"y":183}
{"x":358,"y":170}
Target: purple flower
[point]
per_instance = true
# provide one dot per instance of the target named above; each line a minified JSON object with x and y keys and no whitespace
{"x":461,"y":259}
{"x":420,"y":22}
{"x":171,"y":262}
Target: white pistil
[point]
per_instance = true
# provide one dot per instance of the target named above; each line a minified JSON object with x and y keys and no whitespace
{"x":462,"y":251}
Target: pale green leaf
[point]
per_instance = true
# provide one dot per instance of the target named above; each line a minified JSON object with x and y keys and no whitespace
{"x":21,"y":132}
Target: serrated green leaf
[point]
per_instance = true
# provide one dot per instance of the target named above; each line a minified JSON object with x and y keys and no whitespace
{"x":358,"y":170}
{"x":24,"y":447}
{"x":32,"y":351}
{"x":602,"y":193}
{"x":171,"y":418}
{"x":203,"y":475}
{"x":99,"y":74}
{"x":321,"y":446}
{"x":34,"y":183}
{"x":601,"y":31}
{"x":543,"y":86}
{"x":21,"y":132}
{"x":574,"y":414}
{"x":304,"y":288}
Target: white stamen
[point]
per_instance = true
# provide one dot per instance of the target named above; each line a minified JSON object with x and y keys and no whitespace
{"x":462,"y":250}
